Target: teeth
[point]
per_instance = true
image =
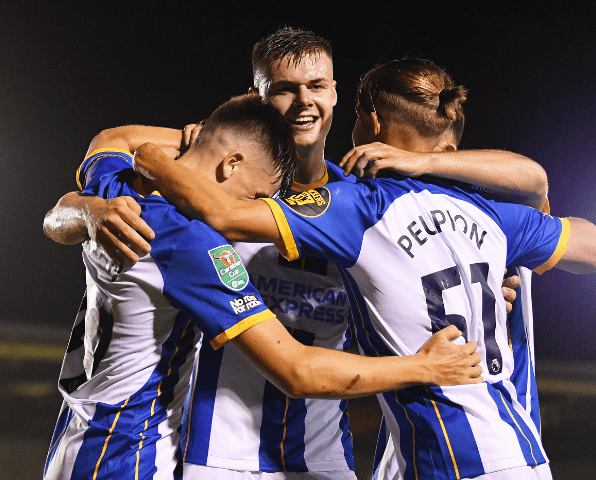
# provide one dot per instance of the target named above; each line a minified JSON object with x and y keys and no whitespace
{"x":304,"y":120}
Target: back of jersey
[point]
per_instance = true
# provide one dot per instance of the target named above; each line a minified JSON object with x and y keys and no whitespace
{"x":417,"y":257}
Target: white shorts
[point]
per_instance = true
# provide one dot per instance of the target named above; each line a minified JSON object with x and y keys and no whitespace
{"x":541,"y":472}
{"x":200,"y":472}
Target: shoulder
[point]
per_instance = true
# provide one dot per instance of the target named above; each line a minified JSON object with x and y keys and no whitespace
{"x":336,"y":174}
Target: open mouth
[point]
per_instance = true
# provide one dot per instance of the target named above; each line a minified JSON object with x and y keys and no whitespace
{"x":304,"y":122}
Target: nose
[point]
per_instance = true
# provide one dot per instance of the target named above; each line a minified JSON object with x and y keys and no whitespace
{"x":303,"y":98}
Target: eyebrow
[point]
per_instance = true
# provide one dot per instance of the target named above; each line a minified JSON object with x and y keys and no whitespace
{"x":289,"y":82}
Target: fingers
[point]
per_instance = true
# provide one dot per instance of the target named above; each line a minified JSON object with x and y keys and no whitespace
{"x":186,"y":136}
{"x":147,"y":157}
{"x":195,"y":131}
{"x":512,"y":282}
{"x":190,"y":134}
{"x":136,"y":222}
{"x":450,"y":333}
{"x":117,"y":250}
{"x":118,"y":228}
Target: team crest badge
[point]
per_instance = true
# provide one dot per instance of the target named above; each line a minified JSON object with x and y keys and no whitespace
{"x":229,"y":267}
{"x":311,"y":203}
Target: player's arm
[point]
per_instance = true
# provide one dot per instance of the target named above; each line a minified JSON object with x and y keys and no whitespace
{"x":114,"y":224}
{"x":302,"y":371}
{"x":199,"y":197}
{"x":512,"y":176}
{"x":580,"y":254}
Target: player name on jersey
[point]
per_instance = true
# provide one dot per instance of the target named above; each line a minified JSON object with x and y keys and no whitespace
{"x":458,"y":222}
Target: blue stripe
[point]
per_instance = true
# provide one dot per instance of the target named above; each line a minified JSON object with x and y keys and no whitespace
{"x":460,"y":435}
{"x":523,"y":373}
{"x":120,"y":456}
{"x":380,"y":448}
{"x":534,"y":404}
{"x":61,"y":425}
{"x":407,"y":435}
{"x":368,"y":339}
{"x":203,"y":402}
{"x":525,"y":437}
{"x":283,"y":425}
{"x":346,"y":435}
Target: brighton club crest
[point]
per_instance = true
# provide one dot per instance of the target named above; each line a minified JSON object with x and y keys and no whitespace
{"x":229,"y":267}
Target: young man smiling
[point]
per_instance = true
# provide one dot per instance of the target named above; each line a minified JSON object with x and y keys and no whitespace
{"x":274,"y":434}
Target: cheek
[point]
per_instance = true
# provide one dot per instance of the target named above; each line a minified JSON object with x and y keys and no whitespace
{"x":281,"y":103}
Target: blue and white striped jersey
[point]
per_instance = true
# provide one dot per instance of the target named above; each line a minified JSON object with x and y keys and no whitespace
{"x":125,"y":374}
{"x":415,"y":257}
{"x":238,"y":420}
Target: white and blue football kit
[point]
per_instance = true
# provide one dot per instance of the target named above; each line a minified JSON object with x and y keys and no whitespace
{"x":128,"y":364}
{"x":235,"y":419}
{"x":415,"y":257}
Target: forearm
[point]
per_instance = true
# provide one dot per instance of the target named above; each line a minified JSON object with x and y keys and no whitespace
{"x":515,"y":177}
{"x":323,"y":373}
{"x":200,"y":198}
{"x":303,"y":371}
{"x":66,"y":222}
{"x":580,"y":254}
{"x":130,"y":137}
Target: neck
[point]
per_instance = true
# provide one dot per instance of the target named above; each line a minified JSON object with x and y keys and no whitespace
{"x":311,"y":164}
{"x":194,"y":160}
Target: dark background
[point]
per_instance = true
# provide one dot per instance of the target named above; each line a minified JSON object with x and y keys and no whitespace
{"x":68,"y":71}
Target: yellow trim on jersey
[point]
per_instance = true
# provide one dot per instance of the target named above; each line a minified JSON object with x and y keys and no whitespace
{"x":241,"y":327}
{"x":283,"y":456}
{"x":95,"y":152}
{"x":446,"y":438}
{"x":105,"y":445}
{"x":289,"y":249}
{"x":559,"y":251}
{"x":413,"y":434}
{"x":519,"y":428}
{"x":195,"y":373}
{"x":303,"y":187}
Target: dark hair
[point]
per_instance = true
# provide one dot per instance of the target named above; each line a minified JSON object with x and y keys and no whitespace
{"x":249,"y":117}
{"x":415,"y":92}
{"x":291,"y":42}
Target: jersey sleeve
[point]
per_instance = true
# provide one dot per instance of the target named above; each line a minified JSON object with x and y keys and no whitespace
{"x":534,"y":240}
{"x":327,"y":221}
{"x":99,"y":164}
{"x":206,"y":278}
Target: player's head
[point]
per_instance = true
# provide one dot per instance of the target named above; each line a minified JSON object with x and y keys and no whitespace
{"x":249,"y":147}
{"x":409,"y":103}
{"x":293,"y":70}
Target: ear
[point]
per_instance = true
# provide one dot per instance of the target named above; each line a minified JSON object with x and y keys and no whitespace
{"x":445,"y":144}
{"x":334,"y":93}
{"x":253,"y":90}
{"x":230,"y":165}
{"x":375,"y":124}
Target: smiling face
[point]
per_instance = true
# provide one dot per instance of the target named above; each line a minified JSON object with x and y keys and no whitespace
{"x":304,"y":93}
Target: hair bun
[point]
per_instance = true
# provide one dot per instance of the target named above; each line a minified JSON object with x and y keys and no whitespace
{"x":450,"y":99}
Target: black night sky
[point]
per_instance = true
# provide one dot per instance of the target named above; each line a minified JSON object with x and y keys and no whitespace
{"x":69,"y":71}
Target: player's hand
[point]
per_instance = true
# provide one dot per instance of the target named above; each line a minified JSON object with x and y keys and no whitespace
{"x":190,"y":134}
{"x":149,"y":159}
{"x":116,"y":225}
{"x":508,"y":289}
{"x":367,"y":160}
{"x":451,"y":364}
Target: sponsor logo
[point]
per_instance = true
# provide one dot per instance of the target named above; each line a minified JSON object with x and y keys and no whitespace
{"x":311,"y":203}
{"x":229,"y":267}
{"x":245,"y":303}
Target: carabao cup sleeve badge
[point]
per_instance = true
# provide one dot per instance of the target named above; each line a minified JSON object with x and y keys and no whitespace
{"x":229,"y":267}
{"x":311,"y":203}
